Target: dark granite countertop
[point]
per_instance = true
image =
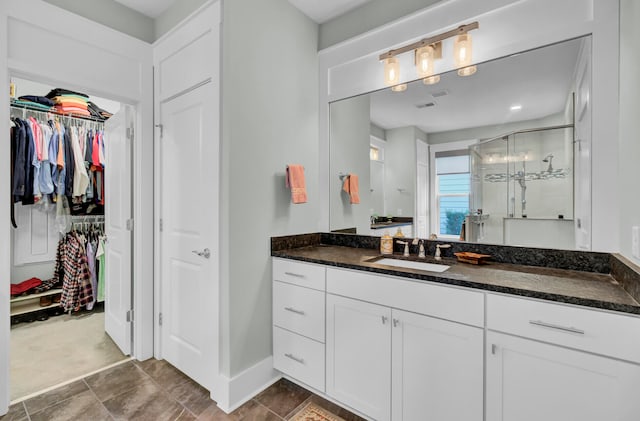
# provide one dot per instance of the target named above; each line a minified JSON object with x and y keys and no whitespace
{"x":591,"y":289}
{"x":383,"y":225}
{"x":396,"y":221}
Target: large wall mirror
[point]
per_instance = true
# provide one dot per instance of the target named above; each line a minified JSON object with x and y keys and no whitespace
{"x":490,"y":157}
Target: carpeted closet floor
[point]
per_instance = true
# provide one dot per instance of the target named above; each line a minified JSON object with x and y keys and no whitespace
{"x":47,"y":353}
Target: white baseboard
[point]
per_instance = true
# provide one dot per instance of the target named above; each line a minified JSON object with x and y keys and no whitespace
{"x":231,"y":393}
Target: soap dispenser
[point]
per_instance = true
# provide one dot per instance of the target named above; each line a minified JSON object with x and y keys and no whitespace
{"x":399,"y":233}
{"x":386,"y":244}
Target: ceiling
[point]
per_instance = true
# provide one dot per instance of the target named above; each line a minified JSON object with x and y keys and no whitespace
{"x":151,"y":8}
{"x":538,"y":81}
{"x":323,"y":10}
{"x":318,"y":10}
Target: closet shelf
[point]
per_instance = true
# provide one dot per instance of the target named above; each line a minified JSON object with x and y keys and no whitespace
{"x":32,"y":296}
{"x":29,"y":307}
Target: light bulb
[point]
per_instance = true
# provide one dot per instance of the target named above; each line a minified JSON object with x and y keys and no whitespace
{"x":399,"y":88}
{"x":467,"y":71}
{"x":391,"y":71}
{"x":462,"y":50}
{"x":431,"y":80}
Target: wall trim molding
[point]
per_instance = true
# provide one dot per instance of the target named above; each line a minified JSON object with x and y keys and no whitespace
{"x":234,"y":392}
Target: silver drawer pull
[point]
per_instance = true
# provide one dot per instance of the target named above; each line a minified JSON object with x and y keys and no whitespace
{"x":297,"y":275}
{"x":294,"y":358}
{"x":293,"y":310}
{"x":558,"y":327}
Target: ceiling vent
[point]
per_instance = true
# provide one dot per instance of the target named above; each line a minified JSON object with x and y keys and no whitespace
{"x":438,"y":94}
{"x":427,"y":105}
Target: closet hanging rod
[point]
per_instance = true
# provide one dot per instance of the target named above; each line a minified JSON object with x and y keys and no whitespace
{"x":45,"y":112}
{"x":87,"y":218}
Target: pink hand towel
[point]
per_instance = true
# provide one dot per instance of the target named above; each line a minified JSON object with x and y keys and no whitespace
{"x":295,"y":181}
{"x":351,"y":186}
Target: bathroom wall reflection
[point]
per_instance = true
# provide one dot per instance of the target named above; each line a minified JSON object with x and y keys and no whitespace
{"x":486,"y":158}
{"x":522,"y":188}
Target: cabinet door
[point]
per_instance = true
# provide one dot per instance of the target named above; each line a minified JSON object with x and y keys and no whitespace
{"x":533,"y":381}
{"x":359,"y":355}
{"x":437,"y":369}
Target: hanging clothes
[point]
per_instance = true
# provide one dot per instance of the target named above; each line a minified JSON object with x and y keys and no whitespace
{"x":50,"y":159}
{"x":77,"y":290}
{"x":101,"y":260}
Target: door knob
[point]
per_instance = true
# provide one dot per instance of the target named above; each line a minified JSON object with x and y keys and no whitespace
{"x":206,"y":253}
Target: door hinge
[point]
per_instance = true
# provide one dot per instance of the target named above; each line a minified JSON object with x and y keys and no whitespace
{"x":129,"y":224}
{"x":130,"y":316}
{"x":130,"y":133}
{"x":161,"y":127}
{"x":160,"y":319}
{"x":161,"y":225}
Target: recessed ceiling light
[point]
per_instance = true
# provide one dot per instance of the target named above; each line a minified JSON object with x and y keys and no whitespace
{"x":516,"y":107}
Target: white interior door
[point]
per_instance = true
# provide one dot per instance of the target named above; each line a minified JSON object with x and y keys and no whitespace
{"x":189,"y":234}
{"x":582,"y":152}
{"x":118,"y":208}
{"x":422,"y":190}
{"x":377,"y":187}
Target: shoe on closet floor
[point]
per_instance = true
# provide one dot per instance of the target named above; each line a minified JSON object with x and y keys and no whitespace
{"x":46,"y":301}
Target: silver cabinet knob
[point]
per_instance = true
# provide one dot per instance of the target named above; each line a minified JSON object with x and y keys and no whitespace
{"x":206,"y":253}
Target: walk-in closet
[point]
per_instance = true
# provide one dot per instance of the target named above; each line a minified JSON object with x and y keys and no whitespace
{"x":70,"y":234}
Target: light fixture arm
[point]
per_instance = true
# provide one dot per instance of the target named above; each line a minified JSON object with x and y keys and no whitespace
{"x":463,"y":29}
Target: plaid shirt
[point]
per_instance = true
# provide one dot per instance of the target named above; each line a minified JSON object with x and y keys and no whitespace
{"x":76,"y":285}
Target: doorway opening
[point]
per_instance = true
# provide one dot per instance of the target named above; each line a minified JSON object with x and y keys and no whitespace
{"x":71,"y":235}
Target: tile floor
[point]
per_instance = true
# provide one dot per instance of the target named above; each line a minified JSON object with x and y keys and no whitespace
{"x":155,"y":390}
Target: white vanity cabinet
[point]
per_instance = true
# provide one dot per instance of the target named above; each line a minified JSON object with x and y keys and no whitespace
{"x":299,"y":321}
{"x":396,"y":349}
{"x":389,"y":363}
{"x":552,"y":362}
{"x":437,"y":369}
{"x":359,"y":355}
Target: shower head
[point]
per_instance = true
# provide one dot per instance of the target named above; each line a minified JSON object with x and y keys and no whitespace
{"x":548,"y":159}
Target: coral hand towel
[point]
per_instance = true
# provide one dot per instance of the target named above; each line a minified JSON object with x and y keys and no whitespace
{"x":351,"y":186}
{"x":295,"y":181}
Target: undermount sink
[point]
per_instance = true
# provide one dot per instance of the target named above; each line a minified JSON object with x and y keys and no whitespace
{"x":410,"y":264}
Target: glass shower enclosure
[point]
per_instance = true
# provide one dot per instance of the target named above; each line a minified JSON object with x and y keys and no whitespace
{"x":522,"y":188}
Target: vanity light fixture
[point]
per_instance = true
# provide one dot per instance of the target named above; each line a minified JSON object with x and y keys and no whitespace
{"x":427,"y":51}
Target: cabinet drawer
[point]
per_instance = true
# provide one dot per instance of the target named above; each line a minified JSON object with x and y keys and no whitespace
{"x":299,"y":309}
{"x":303,"y":274}
{"x":444,"y":302}
{"x":299,"y":357}
{"x":589,"y":330}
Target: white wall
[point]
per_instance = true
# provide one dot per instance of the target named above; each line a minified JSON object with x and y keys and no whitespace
{"x":400,"y":171}
{"x":629,"y":169}
{"x":488,"y":132}
{"x":350,"y":140}
{"x":269,"y":119}
{"x":112,"y":14}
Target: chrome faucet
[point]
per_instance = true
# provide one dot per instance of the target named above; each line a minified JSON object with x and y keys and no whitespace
{"x":421,"y":253}
{"x":406,"y":247}
{"x":438,"y":247}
